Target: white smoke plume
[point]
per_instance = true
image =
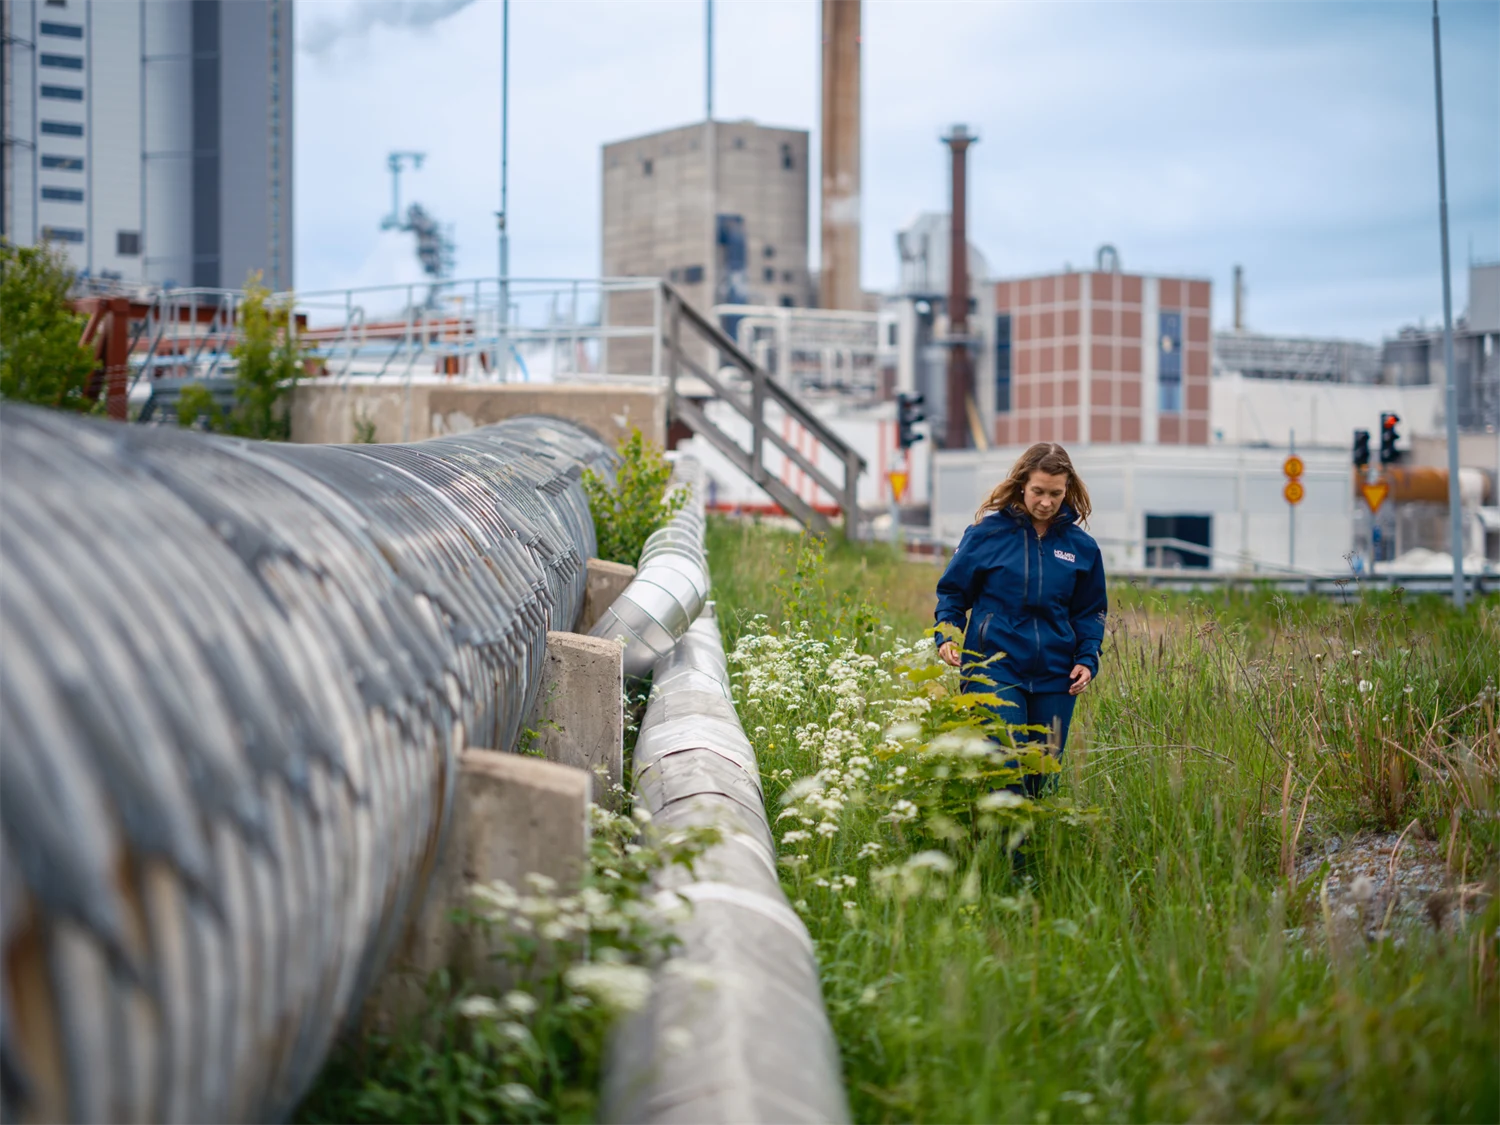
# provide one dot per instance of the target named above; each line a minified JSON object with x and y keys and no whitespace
{"x":362,"y":15}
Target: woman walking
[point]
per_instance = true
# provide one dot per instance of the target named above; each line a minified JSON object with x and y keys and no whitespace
{"x":1031,"y":582}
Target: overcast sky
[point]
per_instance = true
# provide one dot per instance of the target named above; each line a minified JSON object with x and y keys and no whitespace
{"x":1297,"y":139}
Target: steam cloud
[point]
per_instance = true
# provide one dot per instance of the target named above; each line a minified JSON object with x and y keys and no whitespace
{"x":360,"y":17}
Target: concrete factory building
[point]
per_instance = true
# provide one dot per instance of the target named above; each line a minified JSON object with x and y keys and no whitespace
{"x":1102,"y":357}
{"x":719,"y":209}
{"x":151,"y":141}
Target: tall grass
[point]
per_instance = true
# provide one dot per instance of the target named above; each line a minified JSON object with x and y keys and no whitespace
{"x":1140,"y":946}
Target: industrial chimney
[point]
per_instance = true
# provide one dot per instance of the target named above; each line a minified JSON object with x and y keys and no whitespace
{"x":1239,"y":299}
{"x":960,"y":363}
{"x":838,"y":281}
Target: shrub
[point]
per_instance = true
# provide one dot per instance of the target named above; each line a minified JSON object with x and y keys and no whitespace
{"x":269,"y":361}
{"x":42,"y":360}
{"x":627,"y":512}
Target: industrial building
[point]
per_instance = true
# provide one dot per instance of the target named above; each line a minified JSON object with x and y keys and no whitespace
{"x":151,"y":139}
{"x":719,"y":209}
{"x":1102,"y":357}
{"x":1414,"y":357}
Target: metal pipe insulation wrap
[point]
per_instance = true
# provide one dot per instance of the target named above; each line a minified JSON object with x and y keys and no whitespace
{"x":735,"y":1030}
{"x":670,"y":586}
{"x":236,"y":678}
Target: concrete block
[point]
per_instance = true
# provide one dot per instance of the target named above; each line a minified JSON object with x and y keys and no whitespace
{"x":513,"y":815}
{"x":605,"y":582}
{"x":579,"y":714}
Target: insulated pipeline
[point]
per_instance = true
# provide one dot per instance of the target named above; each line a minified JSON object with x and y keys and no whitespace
{"x":735,"y":1029}
{"x":235,"y":678}
{"x":670,"y":587}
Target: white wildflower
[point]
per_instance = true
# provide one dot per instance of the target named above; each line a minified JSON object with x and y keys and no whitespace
{"x":1364,"y":686}
{"x":1001,"y":799}
{"x":620,"y":988}
{"x":519,"y":1003}
{"x":478,"y":1008}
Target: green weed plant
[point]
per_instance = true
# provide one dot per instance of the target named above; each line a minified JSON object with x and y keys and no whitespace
{"x":578,"y":960}
{"x":269,"y":361}
{"x":637,"y":502}
{"x":42,"y":360}
{"x":1154,"y":941}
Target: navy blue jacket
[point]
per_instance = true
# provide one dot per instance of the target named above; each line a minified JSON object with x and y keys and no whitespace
{"x":1040,"y":601}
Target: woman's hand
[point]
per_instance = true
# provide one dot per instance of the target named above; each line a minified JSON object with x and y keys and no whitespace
{"x":1081,"y":677}
{"x":950,"y":654}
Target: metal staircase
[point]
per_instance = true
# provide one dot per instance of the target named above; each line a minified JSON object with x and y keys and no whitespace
{"x":695,"y":348}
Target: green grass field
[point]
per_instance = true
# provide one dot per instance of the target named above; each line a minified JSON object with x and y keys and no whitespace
{"x":1157,"y":941}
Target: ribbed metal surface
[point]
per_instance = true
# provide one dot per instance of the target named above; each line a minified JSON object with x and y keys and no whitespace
{"x":236,"y":678}
{"x":670,"y":586}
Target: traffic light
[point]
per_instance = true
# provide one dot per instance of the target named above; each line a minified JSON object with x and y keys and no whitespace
{"x":908,"y":413}
{"x":1389,"y":435}
{"x":1361,"y":448}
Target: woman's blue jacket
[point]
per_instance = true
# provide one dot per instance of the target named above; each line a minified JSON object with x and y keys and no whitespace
{"x":1039,"y":600}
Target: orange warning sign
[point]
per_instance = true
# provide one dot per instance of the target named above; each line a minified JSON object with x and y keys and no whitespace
{"x":898,"y":481}
{"x":1294,"y":492}
{"x":1292,"y":467}
{"x":1375,"y":494}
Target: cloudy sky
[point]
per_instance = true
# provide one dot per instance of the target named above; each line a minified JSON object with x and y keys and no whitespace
{"x":1296,"y":139}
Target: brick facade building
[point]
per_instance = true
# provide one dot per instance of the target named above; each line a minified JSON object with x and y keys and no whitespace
{"x":1102,"y":357}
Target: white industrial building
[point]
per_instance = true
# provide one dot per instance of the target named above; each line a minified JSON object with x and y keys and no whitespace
{"x":151,"y":139}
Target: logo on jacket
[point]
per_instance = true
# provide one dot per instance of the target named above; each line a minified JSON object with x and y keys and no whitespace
{"x":1066,"y":556}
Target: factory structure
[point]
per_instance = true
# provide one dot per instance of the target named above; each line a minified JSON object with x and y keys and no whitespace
{"x":133,"y":161}
{"x":151,"y":141}
{"x":1181,"y":431}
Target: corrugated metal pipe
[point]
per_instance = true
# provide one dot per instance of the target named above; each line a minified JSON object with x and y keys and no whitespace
{"x":670,"y":585}
{"x":735,"y":1030}
{"x":236,"y":678}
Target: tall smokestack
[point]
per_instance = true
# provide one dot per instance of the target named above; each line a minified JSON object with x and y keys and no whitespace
{"x":1239,"y":299}
{"x":960,"y":368}
{"x":838,"y":281}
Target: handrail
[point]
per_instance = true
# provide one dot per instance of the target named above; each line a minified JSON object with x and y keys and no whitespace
{"x":762,"y":389}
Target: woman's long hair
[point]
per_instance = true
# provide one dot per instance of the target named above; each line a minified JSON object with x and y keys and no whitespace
{"x":1043,"y":457}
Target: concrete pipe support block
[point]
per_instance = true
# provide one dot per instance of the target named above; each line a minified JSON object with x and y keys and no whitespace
{"x":578,"y":718}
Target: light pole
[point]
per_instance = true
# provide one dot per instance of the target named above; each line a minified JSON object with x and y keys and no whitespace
{"x":1455,"y":513}
{"x":501,"y":216}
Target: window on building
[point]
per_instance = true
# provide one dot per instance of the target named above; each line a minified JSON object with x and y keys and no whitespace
{"x":57,"y":3}
{"x":739,"y":142}
{"x":63,"y":163}
{"x":1170,"y":539}
{"x":63,"y":93}
{"x":788,"y":302}
{"x":63,"y":62}
{"x":63,"y":194}
{"x":788,"y":276}
{"x":890,"y":334}
{"x":1169,"y":363}
{"x":692,"y":275}
{"x":1002,"y":363}
{"x":645,"y":167}
{"x":788,"y":161}
{"x":61,"y":234}
{"x":62,"y":129}
{"x":62,"y":30}
{"x":769,"y":252}
{"x":127,"y":243}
